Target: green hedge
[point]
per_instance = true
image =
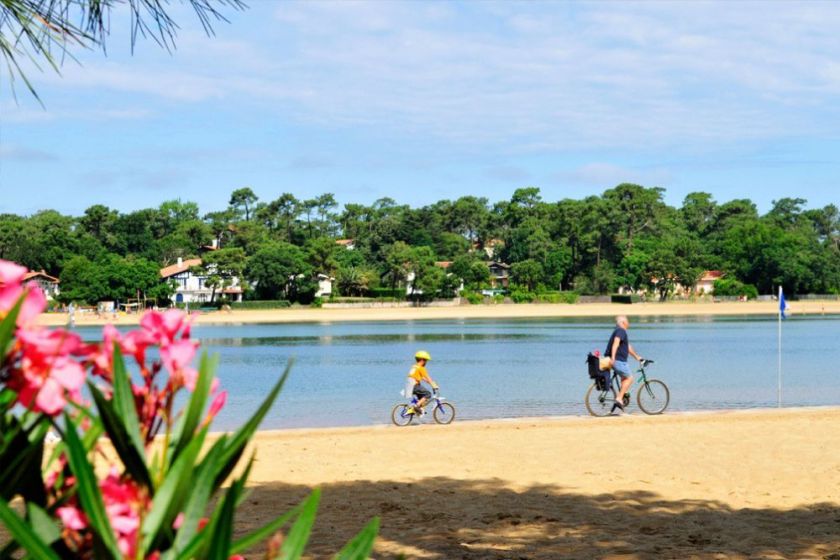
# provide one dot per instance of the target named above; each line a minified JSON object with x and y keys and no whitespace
{"x":544,"y":297}
{"x":732,"y":287}
{"x":557,"y":297}
{"x":396,"y":293}
{"x":474,"y":298}
{"x":261,"y":304}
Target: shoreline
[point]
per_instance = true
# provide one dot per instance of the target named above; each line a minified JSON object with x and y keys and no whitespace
{"x":685,"y":485}
{"x":551,"y":419}
{"x":468,"y":312}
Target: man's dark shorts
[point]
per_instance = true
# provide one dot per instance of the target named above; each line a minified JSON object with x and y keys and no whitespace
{"x":421,"y":393}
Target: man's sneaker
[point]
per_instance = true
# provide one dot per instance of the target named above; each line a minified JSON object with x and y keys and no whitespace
{"x":410,"y":410}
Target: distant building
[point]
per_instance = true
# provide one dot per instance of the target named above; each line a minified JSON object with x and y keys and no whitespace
{"x":325,"y":286}
{"x":499,"y":275}
{"x":192,"y":288}
{"x":706,"y":284}
{"x":47,"y":283}
{"x":492,"y":246}
{"x":346,"y":243}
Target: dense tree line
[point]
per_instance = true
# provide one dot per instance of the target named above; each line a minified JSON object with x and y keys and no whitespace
{"x":627,"y":237}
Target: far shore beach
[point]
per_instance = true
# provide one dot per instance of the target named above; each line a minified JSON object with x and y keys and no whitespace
{"x":735,"y":484}
{"x":501,"y":311}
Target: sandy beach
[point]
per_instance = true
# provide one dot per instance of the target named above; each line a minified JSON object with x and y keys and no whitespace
{"x":750,"y":484}
{"x":503,"y":311}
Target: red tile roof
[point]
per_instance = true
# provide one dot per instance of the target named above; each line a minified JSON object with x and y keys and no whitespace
{"x":174,"y":269}
{"x":32,"y":275}
{"x":711,"y":275}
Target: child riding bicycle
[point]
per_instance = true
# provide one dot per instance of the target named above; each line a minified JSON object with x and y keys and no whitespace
{"x":416,"y":377}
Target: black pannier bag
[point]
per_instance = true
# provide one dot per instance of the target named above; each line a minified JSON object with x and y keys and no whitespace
{"x":601,"y":378}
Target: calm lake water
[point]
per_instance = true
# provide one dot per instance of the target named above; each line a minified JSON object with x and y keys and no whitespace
{"x":352,"y":373}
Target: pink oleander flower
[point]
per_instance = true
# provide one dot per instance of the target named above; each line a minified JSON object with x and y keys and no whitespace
{"x":177,"y":355}
{"x":46,"y":342}
{"x":163,"y":328}
{"x":72,"y":517}
{"x":125,"y":504}
{"x":218,"y":403}
{"x":47,"y":376}
{"x":12,"y":289}
{"x":46,"y":386}
{"x":11,"y":273}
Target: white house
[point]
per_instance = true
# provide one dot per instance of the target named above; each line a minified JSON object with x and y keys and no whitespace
{"x":706,"y":284}
{"x":47,"y":283}
{"x":325,"y":286}
{"x":191,"y":287}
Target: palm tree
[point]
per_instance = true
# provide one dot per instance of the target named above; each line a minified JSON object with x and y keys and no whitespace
{"x":45,"y":31}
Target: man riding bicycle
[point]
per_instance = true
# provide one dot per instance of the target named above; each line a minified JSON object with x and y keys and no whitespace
{"x":416,"y":377}
{"x":618,"y":348}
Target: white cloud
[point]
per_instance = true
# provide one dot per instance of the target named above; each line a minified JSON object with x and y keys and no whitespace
{"x":22,"y":153}
{"x":514,"y":77}
{"x":608,"y":174}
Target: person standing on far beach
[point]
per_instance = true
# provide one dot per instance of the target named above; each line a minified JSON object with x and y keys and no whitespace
{"x":618,"y":348}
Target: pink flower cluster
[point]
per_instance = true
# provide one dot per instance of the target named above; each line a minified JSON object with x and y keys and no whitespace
{"x":42,"y":368}
{"x":125,"y":504}
{"x":12,"y":289}
{"x":47,"y":369}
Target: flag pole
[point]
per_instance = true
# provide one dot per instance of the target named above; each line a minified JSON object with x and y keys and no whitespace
{"x":779,"y":392}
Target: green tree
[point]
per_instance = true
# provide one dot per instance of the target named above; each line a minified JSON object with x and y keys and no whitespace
{"x":527,"y":274}
{"x":322,"y":254}
{"x":241,"y":201}
{"x":222,"y":267}
{"x":356,"y":280}
{"x":473,"y":272}
{"x":275,"y":271}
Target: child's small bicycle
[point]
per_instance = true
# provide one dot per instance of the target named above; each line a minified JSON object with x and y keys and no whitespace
{"x":442,"y":412}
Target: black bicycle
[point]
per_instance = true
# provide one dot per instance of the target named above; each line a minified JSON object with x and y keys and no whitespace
{"x":652,"y":397}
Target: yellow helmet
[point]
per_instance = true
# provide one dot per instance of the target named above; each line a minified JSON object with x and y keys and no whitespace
{"x":422,"y":355}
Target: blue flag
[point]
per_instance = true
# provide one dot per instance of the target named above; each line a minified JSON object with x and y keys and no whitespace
{"x":782,"y":303}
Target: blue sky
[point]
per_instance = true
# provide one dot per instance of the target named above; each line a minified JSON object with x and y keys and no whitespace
{"x":427,"y":100}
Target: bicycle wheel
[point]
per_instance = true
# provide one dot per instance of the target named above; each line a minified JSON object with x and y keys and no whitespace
{"x":598,"y":403}
{"x":400,"y":415}
{"x":653,"y":397}
{"x":444,"y":413}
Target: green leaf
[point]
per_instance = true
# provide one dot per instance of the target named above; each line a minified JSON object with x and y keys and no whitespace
{"x":25,"y":535}
{"x":21,"y":461}
{"x":8,"y":326}
{"x":123,"y":401}
{"x":87,"y":490}
{"x":43,"y":525}
{"x":223,"y":527}
{"x":266,"y":531}
{"x":199,"y":546}
{"x":7,"y":398}
{"x":188,"y":423}
{"x":362,"y":544}
{"x":133,"y":458}
{"x":298,"y":536}
{"x":170,"y":497}
{"x":202,"y":490}
{"x":243,"y":435}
